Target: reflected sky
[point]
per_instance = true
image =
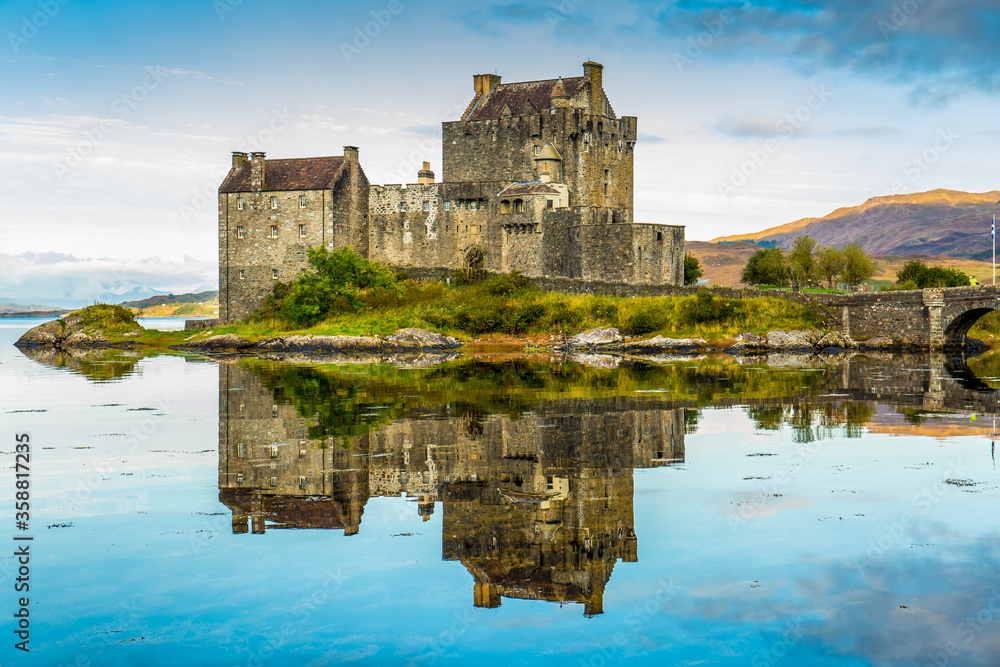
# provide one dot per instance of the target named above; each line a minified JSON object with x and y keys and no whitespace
{"x":810,"y":526}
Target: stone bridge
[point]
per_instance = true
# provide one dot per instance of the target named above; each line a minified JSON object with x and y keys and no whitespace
{"x":933,"y":319}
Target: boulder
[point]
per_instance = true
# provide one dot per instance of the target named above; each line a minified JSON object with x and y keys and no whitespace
{"x":48,"y":334}
{"x":792,"y":341}
{"x":662,"y":344}
{"x":428,"y":340}
{"x":222,"y":343}
{"x":834,"y":339}
{"x":596,"y":337}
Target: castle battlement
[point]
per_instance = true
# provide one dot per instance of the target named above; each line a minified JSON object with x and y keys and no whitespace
{"x":537,"y":177}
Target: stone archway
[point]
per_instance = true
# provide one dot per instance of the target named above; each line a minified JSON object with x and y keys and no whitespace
{"x":955,"y":332}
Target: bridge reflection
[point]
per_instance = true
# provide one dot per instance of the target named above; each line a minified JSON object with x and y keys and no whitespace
{"x":535,"y":493}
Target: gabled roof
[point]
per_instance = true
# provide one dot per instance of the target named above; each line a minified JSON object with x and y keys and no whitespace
{"x":533,"y":188}
{"x":310,"y":173}
{"x":521,"y":97}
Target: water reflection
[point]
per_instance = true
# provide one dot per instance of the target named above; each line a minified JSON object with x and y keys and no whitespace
{"x":536,"y":507}
{"x":531,"y":464}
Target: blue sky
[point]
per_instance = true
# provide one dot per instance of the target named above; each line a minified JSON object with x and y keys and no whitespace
{"x":117,"y":119}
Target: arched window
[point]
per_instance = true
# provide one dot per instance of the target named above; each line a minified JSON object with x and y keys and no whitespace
{"x":505,"y":206}
{"x":518,"y":206}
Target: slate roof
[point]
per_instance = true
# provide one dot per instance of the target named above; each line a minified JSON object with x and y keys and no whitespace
{"x":533,"y":188}
{"x":523,"y":99}
{"x":311,"y":173}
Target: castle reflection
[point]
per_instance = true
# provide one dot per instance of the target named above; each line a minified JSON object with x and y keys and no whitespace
{"x":535,"y":507}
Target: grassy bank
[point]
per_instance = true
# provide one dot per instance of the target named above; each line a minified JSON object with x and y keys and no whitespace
{"x":506,"y":306}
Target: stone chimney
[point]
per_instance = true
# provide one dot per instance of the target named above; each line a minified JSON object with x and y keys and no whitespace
{"x":239,"y":159}
{"x":351,"y":153}
{"x":256,"y":171}
{"x":594,"y":74}
{"x":484,"y":83}
{"x":425,"y":176}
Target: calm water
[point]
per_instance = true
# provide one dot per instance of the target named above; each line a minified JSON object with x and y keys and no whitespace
{"x":544,"y":511}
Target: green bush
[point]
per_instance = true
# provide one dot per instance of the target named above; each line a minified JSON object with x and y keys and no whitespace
{"x":107,"y":317}
{"x":645,"y":321}
{"x":706,"y":308}
{"x":507,"y":284}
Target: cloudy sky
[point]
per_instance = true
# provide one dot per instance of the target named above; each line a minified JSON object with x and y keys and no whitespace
{"x":117,"y":119}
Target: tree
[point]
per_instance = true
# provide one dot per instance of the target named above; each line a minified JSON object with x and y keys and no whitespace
{"x":917,"y":275}
{"x":858,"y":266}
{"x":829,"y":263}
{"x":692,"y":269}
{"x":767,"y":266}
{"x":801,"y":261}
{"x":333,"y":284}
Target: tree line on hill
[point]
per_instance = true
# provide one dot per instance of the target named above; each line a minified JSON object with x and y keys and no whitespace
{"x":808,"y":264}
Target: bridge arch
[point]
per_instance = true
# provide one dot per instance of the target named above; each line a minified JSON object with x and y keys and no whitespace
{"x":956,"y":330}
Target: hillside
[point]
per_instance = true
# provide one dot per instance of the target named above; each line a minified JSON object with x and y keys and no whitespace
{"x":939,"y":222}
{"x":172,"y":299}
{"x":201,"y":304}
{"x":722,"y":264}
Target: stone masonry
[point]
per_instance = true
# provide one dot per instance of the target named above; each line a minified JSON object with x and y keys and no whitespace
{"x":538,"y":178}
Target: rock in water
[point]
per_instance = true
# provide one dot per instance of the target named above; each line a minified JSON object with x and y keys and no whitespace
{"x":596,"y":337}
{"x":423,"y":339}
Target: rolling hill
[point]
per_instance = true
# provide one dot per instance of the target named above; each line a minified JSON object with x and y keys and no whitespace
{"x":937,"y":223}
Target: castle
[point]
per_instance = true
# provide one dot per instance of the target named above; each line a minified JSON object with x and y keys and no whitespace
{"x":537,"y":178}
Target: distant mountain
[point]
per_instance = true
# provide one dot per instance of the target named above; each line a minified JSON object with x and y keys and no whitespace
{"x":27,"y":308}
{"x":172,"y":299}
{"x":939,"y":222}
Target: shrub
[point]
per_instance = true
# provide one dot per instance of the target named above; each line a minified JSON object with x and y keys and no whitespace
{"x":507,"y":284}
{"x":645,"y":321}
{"x":706,"y":308}
{"x":107,"y":317}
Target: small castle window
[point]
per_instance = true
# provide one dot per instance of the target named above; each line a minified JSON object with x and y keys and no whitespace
{"x":505,"y":207}
{"x":659,"y":236}
{"x":605,"y":188}
{"x":447,"y":206}
{"x":538,"y":149}
{"x":274,"y":274}
{"x":549,"y":203}
{"x":302,"y":231}
{"x":302,"y":201}
{"x":240,"y":452}
{"x":274,"y":202}
{"x":243,"y":274}
{"x":518,"y":206}
{"x":239,"y":232}
{"x":427,"y":206}
{"x":239,"y":203}
{"x":474,"y":205}
{"x":402,"y":206}
{"x":274,"y":231}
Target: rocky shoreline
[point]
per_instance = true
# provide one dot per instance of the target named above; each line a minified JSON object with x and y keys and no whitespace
{"x":67,"y":334}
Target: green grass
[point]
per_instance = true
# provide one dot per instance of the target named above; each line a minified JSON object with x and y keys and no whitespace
{"x":106,"y":317}
{"x":506,"y":305}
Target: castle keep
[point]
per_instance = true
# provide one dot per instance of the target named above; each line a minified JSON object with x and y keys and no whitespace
{"x":537,"y":178}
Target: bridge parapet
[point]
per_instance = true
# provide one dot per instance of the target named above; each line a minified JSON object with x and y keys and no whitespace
{"x":932,"y":318}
